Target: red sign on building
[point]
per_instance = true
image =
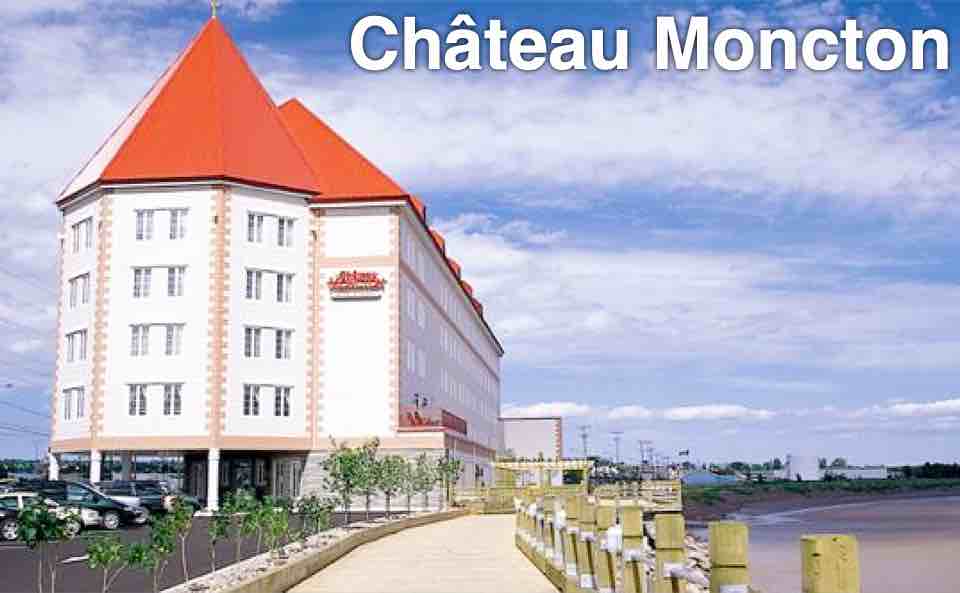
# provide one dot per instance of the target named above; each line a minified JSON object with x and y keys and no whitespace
{"x":356,"y":285}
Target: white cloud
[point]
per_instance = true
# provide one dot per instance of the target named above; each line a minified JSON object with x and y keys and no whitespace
{"x":27,"y":345}
{"x":570,"y":303}
{"x":716,"y":412}
{"x":945,"y":408}
{"x":564,"y":409}
{"x":630,"y":412}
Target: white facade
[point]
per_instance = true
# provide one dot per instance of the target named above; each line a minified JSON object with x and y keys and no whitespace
{"x":183,"y":265}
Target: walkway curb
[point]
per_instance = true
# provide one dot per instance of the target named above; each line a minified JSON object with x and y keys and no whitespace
{"x":284,"y":578}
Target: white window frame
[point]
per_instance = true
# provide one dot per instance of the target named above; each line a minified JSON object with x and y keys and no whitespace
{"x":139,"y":340}
{"x":141,"y":282}
{"x":285,"y":231}
{"x":254,"y":227}
{"x":254,"y":285}
{"x":137,"y":400}
{"x":172,"y":399}
{"x":175,"y":280}
{"x":173,"y":342}
{"x":281,"y":401}
{"x":251,"y":400}
{"x":252,"y":341}
{"x":178,"y":223}
{"x":283,"y":344}
{"x":144,"y":225}
{"x":284,"y":287}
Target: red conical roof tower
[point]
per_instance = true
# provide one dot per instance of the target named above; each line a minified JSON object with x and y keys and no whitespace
{"x":207,"y":117}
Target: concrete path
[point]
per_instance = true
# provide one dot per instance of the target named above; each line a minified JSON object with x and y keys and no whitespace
{"x":472,"y":554}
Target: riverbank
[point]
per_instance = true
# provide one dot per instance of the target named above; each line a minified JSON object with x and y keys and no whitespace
{"x":711,"y":503}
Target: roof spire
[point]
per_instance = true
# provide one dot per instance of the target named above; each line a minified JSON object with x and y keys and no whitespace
{"x":214,"y":4}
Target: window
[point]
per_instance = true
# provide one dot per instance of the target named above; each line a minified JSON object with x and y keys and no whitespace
{"x":255,"y":228}
{"x":82,"y":234}
{"x":283,"y":338}
{"x":171,"y":399}
{"x":77,"y":345}
{"x":138,"y":400}
{"x":284,"y":232}
{"x":73,"y":284}
{"x":81,"y":404}
{"x":411,"y":358}
{"x":139,"y":340}
{"x":421,"y":364}
{"x":144,"y":225}
{"x":281,"y":401}
{"x":251,"y":342}
{"x":284,"y":288}
{"x":178,"y":224}
{"x":141,"y":282}
{"x":85,"y":288}
{"x":251,"y":400}
{"x":175,"y":281}
{"x":254,"y":284}
{"x":174,"y":341}
{"x":67,"y":404}
{"x":79,"y":289}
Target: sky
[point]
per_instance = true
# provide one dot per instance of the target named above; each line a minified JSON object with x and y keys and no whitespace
{"x":746,"y":265}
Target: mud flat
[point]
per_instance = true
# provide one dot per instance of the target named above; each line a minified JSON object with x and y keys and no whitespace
{"x":906,"y":545}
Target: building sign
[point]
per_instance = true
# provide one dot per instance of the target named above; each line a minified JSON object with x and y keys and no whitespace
{"x":356,"y":285}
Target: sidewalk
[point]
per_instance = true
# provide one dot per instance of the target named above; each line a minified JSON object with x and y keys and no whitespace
{"x":469,"y":555}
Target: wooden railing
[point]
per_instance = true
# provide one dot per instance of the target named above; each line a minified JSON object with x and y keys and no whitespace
{"x":603,"y":545}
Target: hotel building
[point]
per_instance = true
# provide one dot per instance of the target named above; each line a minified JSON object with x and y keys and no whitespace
{"x":240,"y":286}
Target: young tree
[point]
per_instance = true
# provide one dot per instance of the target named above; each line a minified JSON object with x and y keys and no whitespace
{"x":217,"y":529}
{"x":449,"y":470}
{"x":408,"y":486}
{"x":153,"y":555}
{"x":316,"y":514}
{"x":276,"y":523}
{"x":182,"y":515}
{"x":425,"y":477}
{"x":369,"y":474}
{"x":42,"y":528}
{"x":110,"y":556}
{"x":342,"y":467}
{"x":391,"y":478}
{"x":238,"y":506}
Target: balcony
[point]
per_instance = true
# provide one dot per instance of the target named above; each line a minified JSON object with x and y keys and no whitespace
{"x":430,"y":418}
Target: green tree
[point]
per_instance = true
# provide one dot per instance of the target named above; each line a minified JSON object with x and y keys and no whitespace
{"x":839,"y":462}
{"x":777,"y":464}
{"x":109,"y":555}
{"x":449,"y":471}
{"x":369,"y":474}
{"x":43,"y":528}
{"x":316,"y":514}
{"x":391,"y":477}
{"x":276,"y":522}
{"x":425,"y":478}
{"x":343,"y":469}
{"x":408,"y":486}
{"x":217,"y":529}
{"x":153,"y":555}
{"x":182,"y":515}
{"x":237,"y":506}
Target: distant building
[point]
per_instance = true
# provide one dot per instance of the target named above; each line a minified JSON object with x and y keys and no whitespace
{"x":867,"y":472}
{"x":802,"y":468}
{"x":531,"y":438}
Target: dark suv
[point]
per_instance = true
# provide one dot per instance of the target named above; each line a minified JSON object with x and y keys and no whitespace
{"x":82,"y":495}
{"x":152,"y":495}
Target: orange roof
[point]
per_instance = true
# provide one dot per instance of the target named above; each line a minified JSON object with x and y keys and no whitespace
{"x":344,"y":172}
{"x":467,"y":288}
{"x":438,"y":239}
{"x":207,"y":117}
{"x":419,"y":206}
{"x":456,"y":267}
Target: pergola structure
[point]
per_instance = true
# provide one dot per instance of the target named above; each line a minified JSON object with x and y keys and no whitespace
{"x":521,"y":474}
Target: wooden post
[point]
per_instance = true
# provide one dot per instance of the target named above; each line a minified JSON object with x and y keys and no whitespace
{"x":634,"y":566}
{"x":831,"y":564}
{"x":671,"y":552}
{"x":603,"y":559}
{"x":571,"y":535}
{"x":729,"y":571}
{"x":588,"y":536}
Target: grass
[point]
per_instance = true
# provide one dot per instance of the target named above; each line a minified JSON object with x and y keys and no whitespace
{"x":710,"y":495}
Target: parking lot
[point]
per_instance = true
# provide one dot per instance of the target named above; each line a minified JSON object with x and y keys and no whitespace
{"x":18,"y":564}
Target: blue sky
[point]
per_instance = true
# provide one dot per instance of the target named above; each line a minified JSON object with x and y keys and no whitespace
{"x":746,"y":265}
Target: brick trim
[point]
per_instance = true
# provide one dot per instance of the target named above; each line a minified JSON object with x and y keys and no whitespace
{"x":100,"y":324}
{"x":218,"y":311}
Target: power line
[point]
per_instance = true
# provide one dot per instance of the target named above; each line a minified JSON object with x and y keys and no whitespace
{"x":23,"y":429}
{"x":26,"y":279}
{"x":27,"y":410}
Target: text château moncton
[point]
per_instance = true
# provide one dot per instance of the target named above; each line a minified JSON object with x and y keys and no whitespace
{"x":378,"y":43}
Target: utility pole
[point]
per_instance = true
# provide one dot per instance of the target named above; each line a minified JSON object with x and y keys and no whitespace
{"x":644,"y":448}
{"x":617,"y":435}
{"x":584,"y":437}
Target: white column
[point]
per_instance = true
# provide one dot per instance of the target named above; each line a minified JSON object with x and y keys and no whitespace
{"x":53,"y":467}
{"x":126,"y":458}
{"x":213,"y":479}
{"x":95,"y":459}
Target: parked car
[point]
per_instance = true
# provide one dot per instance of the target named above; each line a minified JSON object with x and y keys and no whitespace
{"x":12,"y":503}
{"x":85,"y":496}
{"x":152,"y":495}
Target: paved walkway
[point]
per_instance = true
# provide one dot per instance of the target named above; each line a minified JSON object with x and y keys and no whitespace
{"x":472,"y":554}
